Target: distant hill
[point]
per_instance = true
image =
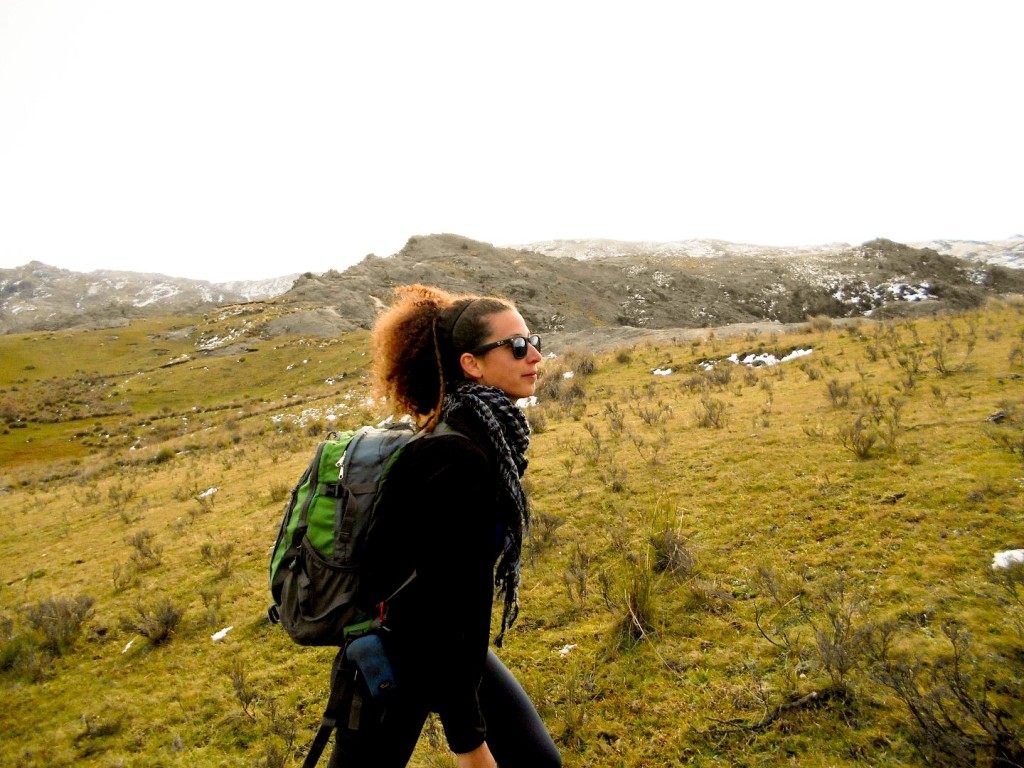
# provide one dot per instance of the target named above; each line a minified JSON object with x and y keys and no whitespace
{"x":654,"y":285}
{"x":1006,"y":253}
{"x":37,"y":297}
{"x":563,"y":285}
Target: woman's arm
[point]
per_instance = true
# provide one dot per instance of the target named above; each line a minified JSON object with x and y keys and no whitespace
{"x":444,"y":626}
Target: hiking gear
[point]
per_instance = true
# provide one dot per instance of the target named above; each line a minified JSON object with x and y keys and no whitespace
{"x":368,"y":654}
{"x":440,"y":516}
{"x":506,"y":426}
{"x":518,"y":343}
{"x":314,"y":566}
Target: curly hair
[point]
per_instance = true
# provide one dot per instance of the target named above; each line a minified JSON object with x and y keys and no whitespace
{"x":417,"y":343}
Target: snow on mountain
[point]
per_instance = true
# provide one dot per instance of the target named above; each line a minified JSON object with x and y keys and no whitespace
{"x":1004,"y":253}
{"x":656,"y":283}
{"x":38,"y":296}
{"x":257,"y":290}
{"x":597,"y":248}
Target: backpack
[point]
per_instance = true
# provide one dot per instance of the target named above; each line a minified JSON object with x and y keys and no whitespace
{"x":314,"y":565}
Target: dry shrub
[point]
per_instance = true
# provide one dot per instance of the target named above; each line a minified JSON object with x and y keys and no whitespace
{"x":57,"y":621}
{"x":819,"y":323}
{"x":156,"y":623}
{"x":711,"y":413}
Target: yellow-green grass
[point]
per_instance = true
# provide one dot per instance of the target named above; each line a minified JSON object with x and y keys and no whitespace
{"x":910,"y":529}
{"x":115,"y":400}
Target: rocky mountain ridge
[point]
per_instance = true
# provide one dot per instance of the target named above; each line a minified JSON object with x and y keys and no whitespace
{"x":37,"y":296}
{"x":565,"y":285}
{"x":1005,"y":253}
{"x":666,"y":289}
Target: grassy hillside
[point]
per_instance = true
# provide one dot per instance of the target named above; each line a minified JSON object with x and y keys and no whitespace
{"x":729,"y":565}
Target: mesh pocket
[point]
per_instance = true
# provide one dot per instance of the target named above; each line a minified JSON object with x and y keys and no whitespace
{"x":316,"y":598}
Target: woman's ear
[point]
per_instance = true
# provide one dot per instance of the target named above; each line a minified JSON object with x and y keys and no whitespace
{"x":470,"y":366}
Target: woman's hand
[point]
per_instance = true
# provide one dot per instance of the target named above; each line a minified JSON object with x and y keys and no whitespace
{"x":478,"y":758}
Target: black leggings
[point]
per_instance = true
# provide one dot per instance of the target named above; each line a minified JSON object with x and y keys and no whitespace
{"x":515,"y":734}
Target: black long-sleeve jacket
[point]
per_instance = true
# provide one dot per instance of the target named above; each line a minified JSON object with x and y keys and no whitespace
{"x":438,"y":515}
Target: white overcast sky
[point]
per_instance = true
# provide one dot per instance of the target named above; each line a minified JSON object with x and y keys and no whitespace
{"x":239,"y":139}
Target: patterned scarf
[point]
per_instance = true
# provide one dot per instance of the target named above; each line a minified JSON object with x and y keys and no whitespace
{"x":505,"y":425}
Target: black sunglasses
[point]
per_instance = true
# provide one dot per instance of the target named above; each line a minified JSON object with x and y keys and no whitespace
{"x":518,"y":344}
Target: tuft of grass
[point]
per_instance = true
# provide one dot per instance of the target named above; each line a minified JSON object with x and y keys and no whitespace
{"x":220,"y":557}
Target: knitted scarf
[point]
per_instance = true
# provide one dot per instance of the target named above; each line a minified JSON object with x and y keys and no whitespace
{"x":509,"y":433}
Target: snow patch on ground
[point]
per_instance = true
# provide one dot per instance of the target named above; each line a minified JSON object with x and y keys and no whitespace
{"x":1008,"y":559}
{"x":756,"y":359}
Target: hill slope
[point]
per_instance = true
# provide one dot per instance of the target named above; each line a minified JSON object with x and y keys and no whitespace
{"x":665,"y":289}
{"x":729,"y":564}
{"x":688,"y":284}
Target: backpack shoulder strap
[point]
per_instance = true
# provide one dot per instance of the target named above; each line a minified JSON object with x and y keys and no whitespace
{"x":441,"y":428}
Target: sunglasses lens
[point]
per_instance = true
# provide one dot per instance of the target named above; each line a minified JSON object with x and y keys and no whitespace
{"x":521,"y":344}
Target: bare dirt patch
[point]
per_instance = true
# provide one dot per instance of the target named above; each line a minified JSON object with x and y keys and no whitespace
{"x":613,"y":337}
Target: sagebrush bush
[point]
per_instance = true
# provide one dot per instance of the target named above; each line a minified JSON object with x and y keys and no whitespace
{"x":542,"y":530}
{"x":220,"y":557}
{"x":123,"y":576}
{"x":155,"y":622}
{"x":162,"y":456}
{"x":577,"y":575}
{"x":53,"y":626}
{"x":838,"y":393}
{"x":651,"y":414}
{"x":57,"y":621}
{"x":22,"y":657}
{"x":579,"y":362}
{"x":554,"y":387}
{"x":211,"y":603}
{"x":819,"y":323}
{"x":965,"y":709}
{"x":146,"y":552}
{"x":858,"y":437}
{"x":245,"y":692}
{"x":711,"y":412}
{"x":670,"y":553}
{"x":538,"y":421}
{"x":278,"y":492}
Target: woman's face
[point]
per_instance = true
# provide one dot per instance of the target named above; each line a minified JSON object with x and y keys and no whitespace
{"x":498,"y":367}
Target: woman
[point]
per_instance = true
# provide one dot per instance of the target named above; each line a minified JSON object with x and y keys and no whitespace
{"x":454,"y":511}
